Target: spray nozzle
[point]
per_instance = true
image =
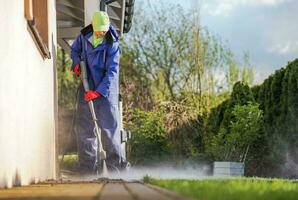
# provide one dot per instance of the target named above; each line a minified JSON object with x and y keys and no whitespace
{"x":102,"y":155}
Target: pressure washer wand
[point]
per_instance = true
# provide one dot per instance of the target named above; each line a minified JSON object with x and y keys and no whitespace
{"x":102,"y":152}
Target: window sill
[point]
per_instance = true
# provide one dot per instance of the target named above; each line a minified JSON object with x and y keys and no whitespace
{"x":42,"y":47}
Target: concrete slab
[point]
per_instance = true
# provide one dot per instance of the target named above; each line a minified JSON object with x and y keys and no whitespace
{"x":115,"y":191}
{"x":101,"y":190}
{"x":54,"y":191}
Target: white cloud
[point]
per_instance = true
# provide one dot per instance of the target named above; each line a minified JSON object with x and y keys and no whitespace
{"x":281,"y":34}
{"x":288,"y":47}
{"x":226,"y":7}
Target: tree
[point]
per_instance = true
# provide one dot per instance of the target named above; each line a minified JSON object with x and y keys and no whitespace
{"x":239,"y":72}
{"x":219,"y":119}
{"x":233,"y":143}
{"x":175,"y":53}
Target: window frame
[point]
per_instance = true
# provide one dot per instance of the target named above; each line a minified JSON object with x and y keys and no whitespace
{"x":33,"y":29}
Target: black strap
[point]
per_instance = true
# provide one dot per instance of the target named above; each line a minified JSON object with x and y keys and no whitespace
{"x":105,"y":59}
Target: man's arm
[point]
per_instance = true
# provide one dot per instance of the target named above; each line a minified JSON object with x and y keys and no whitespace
{"x":76,"y":51}
{"x":112,"y":64}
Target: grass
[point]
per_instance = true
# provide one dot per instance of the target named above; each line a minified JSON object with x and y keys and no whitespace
{"x":70,"y":162}
{"x":232,"y":189}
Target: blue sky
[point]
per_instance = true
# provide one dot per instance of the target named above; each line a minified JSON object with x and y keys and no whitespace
{"x":267,"y":29}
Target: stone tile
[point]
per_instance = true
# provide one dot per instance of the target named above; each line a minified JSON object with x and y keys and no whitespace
{"x":115,"y":191}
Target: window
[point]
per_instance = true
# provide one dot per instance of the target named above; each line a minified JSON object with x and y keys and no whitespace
{"x":36,"y":13}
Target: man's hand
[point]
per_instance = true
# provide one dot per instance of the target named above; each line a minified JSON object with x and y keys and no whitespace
{"x":90,"y":95}
{"x":76,"y":70}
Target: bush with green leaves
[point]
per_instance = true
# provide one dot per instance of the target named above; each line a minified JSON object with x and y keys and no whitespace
{"x":233,"y":143}
{"x":149,"y":140}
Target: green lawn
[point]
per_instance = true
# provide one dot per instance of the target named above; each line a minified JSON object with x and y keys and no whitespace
{"x":232,"y":189}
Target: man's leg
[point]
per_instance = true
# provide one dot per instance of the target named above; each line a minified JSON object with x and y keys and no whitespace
{"x":108,"y":115}
{"x":87,"y":142}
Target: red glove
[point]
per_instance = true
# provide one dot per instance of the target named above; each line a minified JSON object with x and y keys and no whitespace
{"x":76,"y":70}
{"x":90,"y":95}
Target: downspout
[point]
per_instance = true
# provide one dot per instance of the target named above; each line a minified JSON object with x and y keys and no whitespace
{"x":103,"y":4}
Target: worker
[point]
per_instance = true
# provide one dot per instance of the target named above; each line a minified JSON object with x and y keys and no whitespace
{"x":98,"y":45}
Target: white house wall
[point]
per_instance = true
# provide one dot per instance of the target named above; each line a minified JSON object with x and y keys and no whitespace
{"x":27,"y":127}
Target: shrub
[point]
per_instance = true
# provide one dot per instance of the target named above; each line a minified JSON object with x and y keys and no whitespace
{"x":246,"y":127}
{"x":149,"y":140}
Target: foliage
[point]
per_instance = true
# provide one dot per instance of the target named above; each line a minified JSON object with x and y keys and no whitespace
{"x":218,"y":127}
{"x":239,"y":72}
{"x":67,"y":81}
{"x":149,"y":140}
{"x":246,"y":127}
{"x":169,"y":65}
{"x":221,"y":116}
{"x":274,"y":152}
{"x":241,"y":95}
{"x":278,"y":96}
{"x":69,"y":162}
{"x":184,"y":129}
{"x":171,"y":54}
{"x":231,"y":189}
{"x":135,"y":86}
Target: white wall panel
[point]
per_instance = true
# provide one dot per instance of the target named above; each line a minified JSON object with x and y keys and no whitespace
{"x":27,"y":127}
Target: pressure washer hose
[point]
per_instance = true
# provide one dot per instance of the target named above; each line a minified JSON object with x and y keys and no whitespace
{"x":102,"y":153}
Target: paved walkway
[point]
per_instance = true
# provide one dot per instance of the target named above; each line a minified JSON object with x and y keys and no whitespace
{"x":108,"y":190}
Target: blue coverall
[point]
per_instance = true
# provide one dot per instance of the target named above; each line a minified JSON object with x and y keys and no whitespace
{"x":103,"y":76}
